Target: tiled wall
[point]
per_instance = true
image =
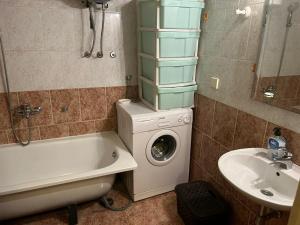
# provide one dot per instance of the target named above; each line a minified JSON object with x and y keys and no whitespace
{"x":219,"y":128}
{"x":228,"y":49}
{"x":89,"y":110}
{"x":287,"y":92}
{"x":228,"y":118}
{"x":44,"y":42}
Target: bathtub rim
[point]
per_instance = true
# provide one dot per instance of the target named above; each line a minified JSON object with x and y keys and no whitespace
{"x":124,"y":162}
{"x":50,"y":140}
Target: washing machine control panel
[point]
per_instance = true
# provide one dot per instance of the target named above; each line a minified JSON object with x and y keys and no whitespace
{"x":178,"y":120}
{"x":184,"y":119}
{"x":162,"y":121}
{"x":187,"y":119}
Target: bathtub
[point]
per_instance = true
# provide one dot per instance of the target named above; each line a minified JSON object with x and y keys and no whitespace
{"x":54,"y":173}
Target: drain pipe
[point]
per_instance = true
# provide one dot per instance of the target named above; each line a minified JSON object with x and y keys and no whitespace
{"x":259,"y":219}
{"x":266,"y":214}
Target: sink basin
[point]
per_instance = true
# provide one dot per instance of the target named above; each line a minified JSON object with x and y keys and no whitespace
{"x":251,"y":172}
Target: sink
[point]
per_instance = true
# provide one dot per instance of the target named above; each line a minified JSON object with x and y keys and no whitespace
{"x":252,"y":173}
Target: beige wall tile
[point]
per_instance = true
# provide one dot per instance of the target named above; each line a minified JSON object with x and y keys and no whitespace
{"x":23,"y":135}
{"x":50,"y":55}
{"x":4,"y":111}
{"x":59,"y":29}
{"x":106,"y":125}
{"x":113,"y":94}
{"x":3,"y":138}
{"x":93,"y":103}
{"x":65,"y":105}
{"x":80,"y":128}
{"x":54,"y":131}
{"x":88,"y":104}
{"x":15,"y":24}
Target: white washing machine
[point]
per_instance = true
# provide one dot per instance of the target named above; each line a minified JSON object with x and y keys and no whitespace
{"x":160,"y":143}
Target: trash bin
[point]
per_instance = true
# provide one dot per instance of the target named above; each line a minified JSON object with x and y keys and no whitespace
{"x":199,"y":204}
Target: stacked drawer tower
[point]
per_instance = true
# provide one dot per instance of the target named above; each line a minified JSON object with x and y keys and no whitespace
{"x":168,"y":34}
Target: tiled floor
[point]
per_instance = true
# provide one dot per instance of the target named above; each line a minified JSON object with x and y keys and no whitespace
{"x":158,"y":210}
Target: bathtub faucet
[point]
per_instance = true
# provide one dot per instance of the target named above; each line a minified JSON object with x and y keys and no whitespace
{"x":26,"y":110}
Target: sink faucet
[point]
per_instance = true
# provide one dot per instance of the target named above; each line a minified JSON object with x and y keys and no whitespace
{"x":283,"y":159}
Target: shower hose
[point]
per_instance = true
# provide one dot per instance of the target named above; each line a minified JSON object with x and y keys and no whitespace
{"x":100,"y":53}
{"x":93,"y":28}
{"x":10,"y":109}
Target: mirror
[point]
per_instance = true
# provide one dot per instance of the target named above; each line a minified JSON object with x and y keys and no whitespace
{"x":278,"y":68}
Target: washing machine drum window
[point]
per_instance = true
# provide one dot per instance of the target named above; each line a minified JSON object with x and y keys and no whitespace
{"x":162,"y":148}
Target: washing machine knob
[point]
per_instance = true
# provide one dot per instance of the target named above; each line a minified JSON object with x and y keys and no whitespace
{"x":187,"y":119}
{"x":180,"y":119}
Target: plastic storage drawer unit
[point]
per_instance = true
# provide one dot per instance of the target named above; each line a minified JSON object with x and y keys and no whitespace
{"x":162,"y":98}
{"x":169,"y":72}
{"x":199,"y":204}
{"x":173,"y":14}
{"x":169,"y":44}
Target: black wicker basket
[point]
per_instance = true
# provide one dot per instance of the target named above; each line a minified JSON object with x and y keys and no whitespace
{"x":199,"y":204}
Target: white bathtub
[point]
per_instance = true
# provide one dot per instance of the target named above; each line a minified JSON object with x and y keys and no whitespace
{"x":54,"y":173}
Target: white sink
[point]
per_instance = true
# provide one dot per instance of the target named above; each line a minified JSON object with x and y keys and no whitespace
{"x":251,"y":172}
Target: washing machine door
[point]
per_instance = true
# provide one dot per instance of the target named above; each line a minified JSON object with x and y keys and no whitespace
{"x":163,"y":147}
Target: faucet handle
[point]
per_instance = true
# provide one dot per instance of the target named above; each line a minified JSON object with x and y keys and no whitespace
{"x":283,"y":155}
{"x":22,"y":110}
{"x":288,"y":155}
{"x":36,"y":110}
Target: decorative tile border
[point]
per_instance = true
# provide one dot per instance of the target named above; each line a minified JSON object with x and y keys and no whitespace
{"x":66,"y":112}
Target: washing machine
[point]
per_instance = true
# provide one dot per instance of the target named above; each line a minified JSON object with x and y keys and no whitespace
{"x":160,"y":143}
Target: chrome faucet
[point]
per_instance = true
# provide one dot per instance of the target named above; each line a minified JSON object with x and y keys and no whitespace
{"x":283,"y":160}
{"x":26,"y":110}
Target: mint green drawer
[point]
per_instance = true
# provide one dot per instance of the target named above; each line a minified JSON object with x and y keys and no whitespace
{"x":168,"y":98}
{"x":174,"y":14}
{"x":171,"y":44}
{"x":148,"y":92}
{"x":168,"y":72}
{"x":177,"y":97}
